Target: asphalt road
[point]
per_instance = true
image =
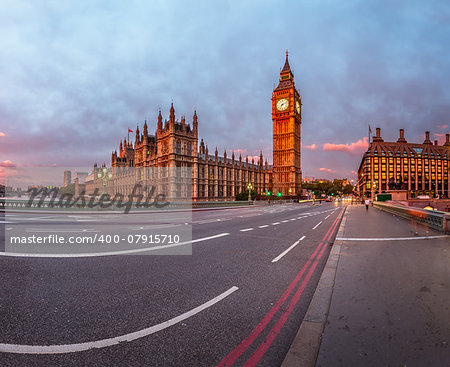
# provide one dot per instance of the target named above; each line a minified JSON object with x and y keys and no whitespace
{"x":237,"y":300}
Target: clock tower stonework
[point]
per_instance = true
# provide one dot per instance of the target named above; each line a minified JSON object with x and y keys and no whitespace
{"x":287,"y":119}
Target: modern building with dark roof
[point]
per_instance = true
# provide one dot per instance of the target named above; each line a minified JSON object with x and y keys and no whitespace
{"x":421,"y":169}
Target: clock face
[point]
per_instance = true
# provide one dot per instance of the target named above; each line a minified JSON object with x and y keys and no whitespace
{"x":297,"y":106}
{"x":282,"y":104}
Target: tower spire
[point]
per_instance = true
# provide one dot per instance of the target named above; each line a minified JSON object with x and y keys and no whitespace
{"x":172,"y":115}
{"x":286,"y":67}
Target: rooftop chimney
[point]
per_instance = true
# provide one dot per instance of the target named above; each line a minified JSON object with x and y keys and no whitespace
{"x":401,"y":139}
{"x":427,"y":138}
{"x":447,"y":140}
{"x":377,"y":136}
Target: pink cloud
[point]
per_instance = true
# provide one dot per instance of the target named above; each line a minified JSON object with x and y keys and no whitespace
{"x":310,"y":147}
{"x":354,"y":172}
{"x":329,"y":170}
{"x":7,"y":163}
{"x":442,"y":127}
{"x":440,"y":138}
{"x":242,"y":152}
{"x":356,"y":147}
{"x":2,"y":134}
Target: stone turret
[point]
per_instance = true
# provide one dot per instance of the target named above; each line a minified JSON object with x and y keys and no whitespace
{"x":195,"y":123}
{"x":159,"y":121}
{"x":172,"y":116}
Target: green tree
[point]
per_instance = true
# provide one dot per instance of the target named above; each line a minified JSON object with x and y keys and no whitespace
{"x":243,"y":196}
{"x":348,"y":189}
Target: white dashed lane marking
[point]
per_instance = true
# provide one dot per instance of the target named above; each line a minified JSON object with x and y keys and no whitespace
{"x":318,"y":224}
{"x":287,"y":250}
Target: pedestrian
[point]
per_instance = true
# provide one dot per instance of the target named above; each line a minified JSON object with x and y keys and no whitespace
{"x":367,"y":202}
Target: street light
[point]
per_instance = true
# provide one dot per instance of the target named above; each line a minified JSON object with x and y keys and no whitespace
{"x":374,"y":186}
{"x":249,"y":188}
{"x":105,"y":175}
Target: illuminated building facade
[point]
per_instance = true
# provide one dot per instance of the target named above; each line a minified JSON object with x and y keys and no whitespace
{"x":175,"y":145}
{"x":287,"y":119}
{"x":421,"y":169}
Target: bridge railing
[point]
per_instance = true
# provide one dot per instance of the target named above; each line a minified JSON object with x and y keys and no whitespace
{"x":434,"y":219}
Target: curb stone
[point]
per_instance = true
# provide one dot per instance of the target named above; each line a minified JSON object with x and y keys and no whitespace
{"x":305,"y":347}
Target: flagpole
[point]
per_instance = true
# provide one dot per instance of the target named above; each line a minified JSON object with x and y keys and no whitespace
{"x":128,"y":134}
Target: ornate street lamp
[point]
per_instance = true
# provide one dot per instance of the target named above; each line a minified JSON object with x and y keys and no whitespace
{"x":105,"y":175}
{"x":249,"y":188}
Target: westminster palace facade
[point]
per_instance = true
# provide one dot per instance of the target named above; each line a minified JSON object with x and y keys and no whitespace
{"x":175,"y":145}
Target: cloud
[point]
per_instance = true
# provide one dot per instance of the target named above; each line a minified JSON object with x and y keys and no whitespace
{"x":310,"y":147}
{"x":2,"y":134}
{"x":354,"y":172}
{"x":74,"y":87}
{"x":442,"y":127}
{"x":356,"y":147}
{"x":440,"y":138}
{"x":242,"y":152}
{"x":7,"y":163}
{"x":329,"y":170}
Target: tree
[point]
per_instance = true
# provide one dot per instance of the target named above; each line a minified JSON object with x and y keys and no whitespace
{"x":243,"y":196}
{"x":348,"y":189}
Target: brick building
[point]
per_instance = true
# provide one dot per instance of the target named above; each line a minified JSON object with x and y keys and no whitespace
{"x":421,"y":169}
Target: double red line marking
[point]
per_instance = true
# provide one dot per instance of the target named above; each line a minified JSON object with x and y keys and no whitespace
{"x":262,"y":348}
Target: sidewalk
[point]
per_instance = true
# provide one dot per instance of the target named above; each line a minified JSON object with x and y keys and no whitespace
{"x":380,"y":301}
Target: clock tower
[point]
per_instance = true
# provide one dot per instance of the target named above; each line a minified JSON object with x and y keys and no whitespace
{"x":286,"y":119}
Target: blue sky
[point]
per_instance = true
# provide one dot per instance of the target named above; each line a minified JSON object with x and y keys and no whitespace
{"x":75,"y":75}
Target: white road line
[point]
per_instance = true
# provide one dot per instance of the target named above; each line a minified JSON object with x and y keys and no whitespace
{"x":292,"y":219}
{"x":284,"y":221}
{"x":327,"y":216}
{"x":263,"y":226}
{"x":113,"y":253}
{"x":6,"y":222}
{"x":79,"y":347}
{"x":275,"y":223}
{"x":287,"y":250}
{"x":318,"y":224}
{"x":391,"y":239}
{"x":301,"y":239}
{"x":246,"y":229}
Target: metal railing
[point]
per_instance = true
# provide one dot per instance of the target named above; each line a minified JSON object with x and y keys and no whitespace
{"x":434,"y":219}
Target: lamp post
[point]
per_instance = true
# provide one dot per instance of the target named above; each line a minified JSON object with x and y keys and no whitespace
{"x":105,"y":175}
{"x":249,"y":188}
{"x":374,"y":186}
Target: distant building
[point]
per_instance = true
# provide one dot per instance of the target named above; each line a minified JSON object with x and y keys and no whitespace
{"x":418,"y":168}
{"x":81,"y":176}
{"x":67,"y":178}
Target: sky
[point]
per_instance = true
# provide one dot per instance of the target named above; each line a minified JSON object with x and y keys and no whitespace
{"x":75,"y":75}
